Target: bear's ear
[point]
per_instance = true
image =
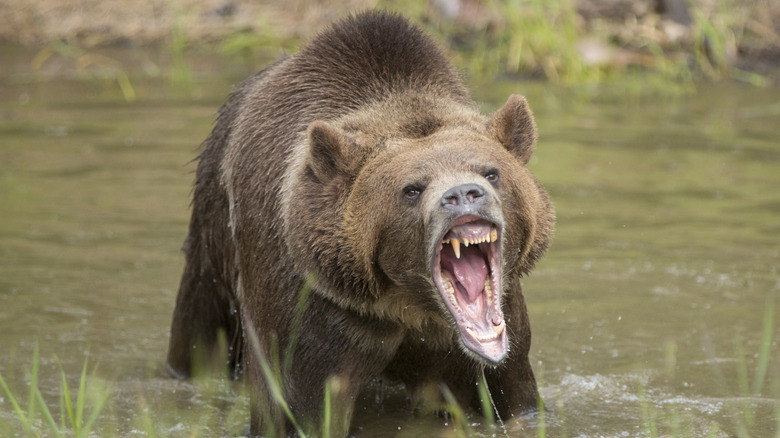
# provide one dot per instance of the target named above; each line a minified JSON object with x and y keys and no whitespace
{"x":513,"y":126}
{"x":327,"y":151}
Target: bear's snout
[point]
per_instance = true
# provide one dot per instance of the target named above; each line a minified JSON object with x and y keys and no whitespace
{"x":462,"y":199}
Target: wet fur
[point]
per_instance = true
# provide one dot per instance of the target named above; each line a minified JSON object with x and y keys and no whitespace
{"x":288,"y":186}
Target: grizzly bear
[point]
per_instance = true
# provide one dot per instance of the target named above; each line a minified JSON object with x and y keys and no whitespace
{"x":355,"y":217}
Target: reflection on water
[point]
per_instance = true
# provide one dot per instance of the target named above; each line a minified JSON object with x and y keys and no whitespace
{"x":647,"y":312}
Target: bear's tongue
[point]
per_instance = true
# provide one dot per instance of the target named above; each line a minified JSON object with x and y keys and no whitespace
{"x":468,"y":277}
{"x":469,"y":271}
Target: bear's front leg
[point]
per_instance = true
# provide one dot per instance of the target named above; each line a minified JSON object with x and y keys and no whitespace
{"x":333,"y":354}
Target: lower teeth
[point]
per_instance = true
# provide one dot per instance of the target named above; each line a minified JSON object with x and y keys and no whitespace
{"x":450,"y":288}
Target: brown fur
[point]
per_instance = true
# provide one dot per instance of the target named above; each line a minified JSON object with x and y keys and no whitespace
{"x":304,"y":176}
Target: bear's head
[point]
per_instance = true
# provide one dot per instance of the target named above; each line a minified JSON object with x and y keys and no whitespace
{"x":421,"y":210}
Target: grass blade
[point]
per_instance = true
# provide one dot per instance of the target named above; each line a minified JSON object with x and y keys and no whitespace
{"x":103,"y":397}
{"x":766,"y":344}
{"x":272,"y":382}
{"x":462,"y":427}
{"x":62,"y":408}
{"x":80,"y":397}
{"x":66,"y":395}
{"x":300,"y":308}
{"x":15,"y":404}
{"x":648,"y":414}
{"x":486,"y":400}
{"x":47,"y":414}
{"x":33,"y":385}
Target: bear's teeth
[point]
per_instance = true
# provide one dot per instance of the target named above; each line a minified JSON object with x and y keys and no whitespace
{"x":456,"y":247}
{"x":456,"y":242}
{"x":451,"y":293}
{"x":488,"y":291}
{"x":498,"y":330}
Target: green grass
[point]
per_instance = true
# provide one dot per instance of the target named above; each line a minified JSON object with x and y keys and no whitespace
{"x":521,"y":39}
{"x":536,"y":37}
{"x":668,"y":421}
{"x":71,"y":412}
{"x":90,"y":409}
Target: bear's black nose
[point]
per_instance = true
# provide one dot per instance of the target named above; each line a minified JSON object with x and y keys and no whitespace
{"x":463,"y":197}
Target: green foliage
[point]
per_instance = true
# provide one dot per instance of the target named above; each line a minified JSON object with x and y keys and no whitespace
{"x":273,"y":380}
{"x":744,"y":416}
{"x":486,"y":400}
{"x":549,"y":39}
{"x":543,"y":36}
{"x":36,"y":405}
{"x":766,"y":344}
{"x":83,"y":414}
{"x":546,"y":39}
{"x":458,"y":415}
{"x":532,"y":37}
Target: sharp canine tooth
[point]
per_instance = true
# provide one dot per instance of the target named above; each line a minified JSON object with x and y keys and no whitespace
{"x":499,"y":328}
{"x":494,"y":235}
{"x":456,"y":247}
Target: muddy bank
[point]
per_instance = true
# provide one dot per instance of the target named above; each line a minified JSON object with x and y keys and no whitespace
{"x":713,"y":35}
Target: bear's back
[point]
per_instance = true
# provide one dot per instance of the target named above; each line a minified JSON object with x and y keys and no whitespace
{"x":377,"y":54}
{"x":361,"y":59}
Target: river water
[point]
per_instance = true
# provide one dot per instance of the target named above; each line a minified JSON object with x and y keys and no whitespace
{"x":652,"y":312}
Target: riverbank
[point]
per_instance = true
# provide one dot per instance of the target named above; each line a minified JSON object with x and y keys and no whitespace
{"x":561,"y":41}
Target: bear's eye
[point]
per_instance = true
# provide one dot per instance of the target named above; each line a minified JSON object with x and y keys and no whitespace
{"x":412,"y":192}
{"x":492,"y":176}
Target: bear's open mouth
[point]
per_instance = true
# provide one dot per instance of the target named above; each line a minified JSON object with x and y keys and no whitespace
{"x":467,"y":273}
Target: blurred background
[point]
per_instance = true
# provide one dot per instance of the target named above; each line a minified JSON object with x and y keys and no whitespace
{"x":563,"y":41}
{"x":653,"y":312}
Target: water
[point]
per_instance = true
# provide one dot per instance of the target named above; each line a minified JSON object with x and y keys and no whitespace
{"x":647,"y":312}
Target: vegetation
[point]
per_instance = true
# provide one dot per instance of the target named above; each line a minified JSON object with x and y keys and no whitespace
{"x":553,"y":40}
{"x":91,"y":412}
{"x":561,"y":41}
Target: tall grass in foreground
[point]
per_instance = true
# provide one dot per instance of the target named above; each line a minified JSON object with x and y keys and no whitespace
{"x":668,"y":422}
{"x":71,"y":412}
{"x":92,"y":410}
